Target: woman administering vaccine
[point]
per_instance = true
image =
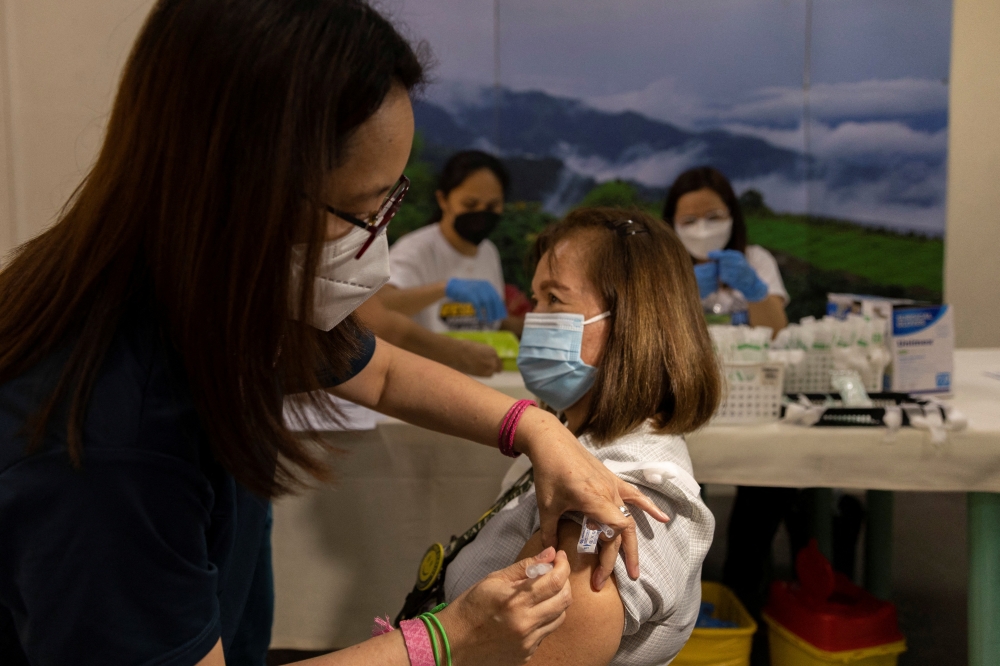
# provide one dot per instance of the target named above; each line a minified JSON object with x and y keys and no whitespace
{"x":734,"y":279}
{"x":447,"y":275}
{"x":208,"y":265}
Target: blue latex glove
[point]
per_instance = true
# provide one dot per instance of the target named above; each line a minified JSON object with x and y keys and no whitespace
{"x":707,"y":275}
{"x":489,"y":306}
{"x":737,"y":273}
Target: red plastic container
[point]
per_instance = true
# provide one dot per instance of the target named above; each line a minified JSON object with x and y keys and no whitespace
{"x":828,"y":611}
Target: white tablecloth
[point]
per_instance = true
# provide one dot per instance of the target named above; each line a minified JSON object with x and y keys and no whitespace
{"x":344,"y":553}
{"x":782,"y":455}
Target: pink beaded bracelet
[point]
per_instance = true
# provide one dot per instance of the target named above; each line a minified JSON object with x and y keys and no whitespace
{"x":508,"y":428}
{"x":418,"y":642}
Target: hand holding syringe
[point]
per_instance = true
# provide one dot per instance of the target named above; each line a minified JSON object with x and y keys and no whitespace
{"x":538,"y":570}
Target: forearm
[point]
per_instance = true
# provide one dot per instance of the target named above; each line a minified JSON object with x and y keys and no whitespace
{"x":513,"y":324}
{"x":399,"y":330}
{"x":433,"y":346}
{"x":413,"y":389}
{"x":769,"y":312}
{"x":387,"y":649}
{"x":413,"y":300}
{"x":439,"y":398}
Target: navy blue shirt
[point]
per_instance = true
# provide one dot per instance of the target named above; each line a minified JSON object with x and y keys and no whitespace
{"x":151,"y":551}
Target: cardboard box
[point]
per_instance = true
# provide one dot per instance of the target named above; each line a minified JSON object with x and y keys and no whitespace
{"x":921,"y":339}
{"x":840,"y":305}
{"x":923,"y":348}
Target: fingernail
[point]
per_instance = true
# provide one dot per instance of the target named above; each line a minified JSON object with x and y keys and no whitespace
{"x":544,"y":555}
{"x":598,"y":582}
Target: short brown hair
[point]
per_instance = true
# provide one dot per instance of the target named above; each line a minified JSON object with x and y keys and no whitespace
{"x":658,"y":362}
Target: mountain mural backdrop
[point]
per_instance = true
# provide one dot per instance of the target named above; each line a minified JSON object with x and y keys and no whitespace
{"x":830,"y":117}
{"x":558,"y":149}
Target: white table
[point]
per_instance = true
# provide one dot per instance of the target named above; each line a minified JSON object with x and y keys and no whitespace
{"x":776,"y":454}
{"x":346,"y":553}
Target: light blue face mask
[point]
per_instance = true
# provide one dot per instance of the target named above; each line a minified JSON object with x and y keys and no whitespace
{"x":549,"y":359}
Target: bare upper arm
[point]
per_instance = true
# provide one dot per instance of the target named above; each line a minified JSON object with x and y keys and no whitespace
{"x":366,"y":387}
{"x":595,"y":620}
{"x":215,"y":657}
{"x":387,"y":324}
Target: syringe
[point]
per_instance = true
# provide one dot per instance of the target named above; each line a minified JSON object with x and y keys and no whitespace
{"x":590,"y":530}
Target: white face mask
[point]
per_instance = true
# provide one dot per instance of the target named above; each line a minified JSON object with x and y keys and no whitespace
{"x":343,"y":283}
{"x":704,"y":235}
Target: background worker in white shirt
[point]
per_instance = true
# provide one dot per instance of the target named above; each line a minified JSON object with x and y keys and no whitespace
{"x":733,"y":278}
{"x":447,"y":275}
{"x":742,"y":281}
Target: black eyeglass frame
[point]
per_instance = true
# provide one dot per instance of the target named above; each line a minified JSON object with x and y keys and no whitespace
{"x":379,"y":220}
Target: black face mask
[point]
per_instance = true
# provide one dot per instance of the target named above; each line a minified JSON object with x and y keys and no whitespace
{"x":475,"y":227}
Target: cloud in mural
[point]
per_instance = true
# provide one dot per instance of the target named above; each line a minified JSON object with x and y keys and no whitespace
{"x":833,"y":101}
{"x":880,"y":203}
{"x":887,"y":172}
{"x":782,"y":106}
{"x":852,"y":138}
{"x":642,"y":165}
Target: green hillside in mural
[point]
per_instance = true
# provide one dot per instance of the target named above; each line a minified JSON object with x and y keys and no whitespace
{"x":880,"y":256}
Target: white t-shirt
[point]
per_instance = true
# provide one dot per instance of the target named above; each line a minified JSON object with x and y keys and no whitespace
{"x":425,"y":256}
{"x":764,"y":264}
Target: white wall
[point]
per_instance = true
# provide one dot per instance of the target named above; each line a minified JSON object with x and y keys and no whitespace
{"x":59,"y":66}
{"x":60,"y":60}
{"x":972,"y":247}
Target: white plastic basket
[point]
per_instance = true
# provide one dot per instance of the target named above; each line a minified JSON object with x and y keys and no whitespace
{"x":753,"y":393}
{"x":813,"y":374}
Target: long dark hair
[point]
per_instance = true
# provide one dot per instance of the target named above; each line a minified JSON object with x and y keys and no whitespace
{"x":659,"y":363}
{"x":462,"y":165}
{"x":700,"y":178}
{"x":229,"y":117}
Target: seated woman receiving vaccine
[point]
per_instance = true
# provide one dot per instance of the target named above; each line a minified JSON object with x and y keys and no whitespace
{"x":618,"y":345}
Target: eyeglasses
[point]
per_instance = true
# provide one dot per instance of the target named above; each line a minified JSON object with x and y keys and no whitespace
{"x":379,"y":220}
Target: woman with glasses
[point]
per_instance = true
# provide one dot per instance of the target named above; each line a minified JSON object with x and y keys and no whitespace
{"x":737,"y":280}
{"x":208,"y":265}
{"x":447,"y":275}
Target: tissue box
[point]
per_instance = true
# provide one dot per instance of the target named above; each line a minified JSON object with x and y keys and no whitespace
{"x":921,"y":339}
